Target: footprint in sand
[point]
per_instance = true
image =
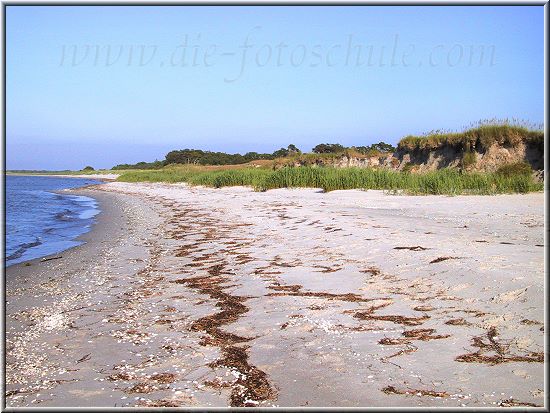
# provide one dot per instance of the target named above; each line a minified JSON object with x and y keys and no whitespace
{"x":523,"y":343}
{"x":538,"y":393}
{"x":510,"y":296}
{"x":496,"y":321}
{"x":521,"y":373}
{"x":461,"y":287}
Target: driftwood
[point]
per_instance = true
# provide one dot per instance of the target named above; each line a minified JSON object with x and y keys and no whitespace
{"x":51,"y":258}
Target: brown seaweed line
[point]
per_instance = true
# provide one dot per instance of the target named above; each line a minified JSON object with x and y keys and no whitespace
{"x":501,"y":350}
{"x":252,"y":383}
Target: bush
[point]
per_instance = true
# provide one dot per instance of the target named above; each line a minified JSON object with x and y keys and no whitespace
{"x":518,"y":168}
{"x":328,"y":148}
{"x":140,"y":165}
{"x":407,"y":168}
{"x":468,"y":159}
{"x":88,"y":168}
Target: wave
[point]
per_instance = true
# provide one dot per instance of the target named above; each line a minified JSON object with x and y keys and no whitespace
{"x":36,"y":209}
{"x":88,"y":206}
{"x":22,"y":248}
{"x":65,"y":215}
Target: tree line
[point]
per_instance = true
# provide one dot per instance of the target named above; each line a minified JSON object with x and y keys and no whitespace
{"x":200,"y":157}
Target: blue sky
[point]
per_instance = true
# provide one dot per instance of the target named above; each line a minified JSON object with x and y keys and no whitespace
{"x":108,"y":85}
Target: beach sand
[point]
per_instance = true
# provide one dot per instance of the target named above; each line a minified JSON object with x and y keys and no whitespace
{"x":228,"y":297}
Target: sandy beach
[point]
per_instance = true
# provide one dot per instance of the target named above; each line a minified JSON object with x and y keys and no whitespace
{"x":189,"y":296}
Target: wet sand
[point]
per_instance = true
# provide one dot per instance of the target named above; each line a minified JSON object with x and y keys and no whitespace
{"x":228,"y":297}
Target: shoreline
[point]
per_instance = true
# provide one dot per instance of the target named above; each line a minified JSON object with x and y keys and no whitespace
{"x":229,"y":297}
{"x":53,"y":299}
{"x":82,"y":238}
{"x":101,"y":223}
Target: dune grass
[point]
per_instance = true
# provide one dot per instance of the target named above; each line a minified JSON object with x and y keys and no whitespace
{"x":440,"y":182}
{"x":482,"y":136}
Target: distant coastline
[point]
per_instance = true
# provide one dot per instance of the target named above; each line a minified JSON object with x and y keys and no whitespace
{"x":99,"y":175}
{"x":490,"y":158}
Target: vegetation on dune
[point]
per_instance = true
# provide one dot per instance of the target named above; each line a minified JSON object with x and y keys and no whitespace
{"x":200,"y":157}
{"x":140,"y":165}
{"x":308,"y":159}
{"x":479,"y":136}
{"x":328,"y":148}
{"x":290,"y":168}
{"x":518,"y":168}
{"x":374,"y":149}
{"x":289,"y":154}
{"x":441,"y":182}
{"x":468,"y":159}
{"x":336,"y":148}
{"x":476,"y":138}
{"x":328,"y":158}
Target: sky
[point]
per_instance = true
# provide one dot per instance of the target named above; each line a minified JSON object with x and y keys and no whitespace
{"x":103,"y":85}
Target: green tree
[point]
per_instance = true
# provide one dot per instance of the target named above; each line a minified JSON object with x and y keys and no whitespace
{"x":329,"y":148}
{"x":383,"y":147}
{"x":281,"y":153}
{"x":293,"y":149}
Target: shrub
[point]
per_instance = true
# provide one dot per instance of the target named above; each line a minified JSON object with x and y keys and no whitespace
{"x":518,"y":168}
{"x":468,"y":159}
{"x":328,"y":148}
{"x":88,"y":168}
{"x":407,"y":168}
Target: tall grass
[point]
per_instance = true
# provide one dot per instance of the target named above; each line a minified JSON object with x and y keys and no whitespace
{"x":442,"y":182}
{"x":198,"y":176}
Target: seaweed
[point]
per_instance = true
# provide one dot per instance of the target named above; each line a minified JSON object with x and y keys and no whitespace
{"x":415,"y":248}
{"x":516,"y":403}
{"x":163,"y":378}
{"x":457,"y":322}
{"x":393,"y":390}
{"x":252,"y":383}
{"x":371,"y":270}
{"x":421,"y":334}
{"x":423,"y":308}
{"x":140,"y":388}
{"x":488,"y":344}
{"x":439,"y":259}
{"x":294,"y":290}
{"x":397,"y":319}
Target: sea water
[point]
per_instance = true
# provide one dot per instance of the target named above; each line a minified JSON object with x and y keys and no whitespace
{"x":41,"y":222}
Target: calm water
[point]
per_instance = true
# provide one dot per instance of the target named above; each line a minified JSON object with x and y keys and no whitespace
{"x":40,"y":222}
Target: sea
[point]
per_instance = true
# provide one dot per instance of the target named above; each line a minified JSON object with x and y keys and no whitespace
{"x":41,"y":222}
